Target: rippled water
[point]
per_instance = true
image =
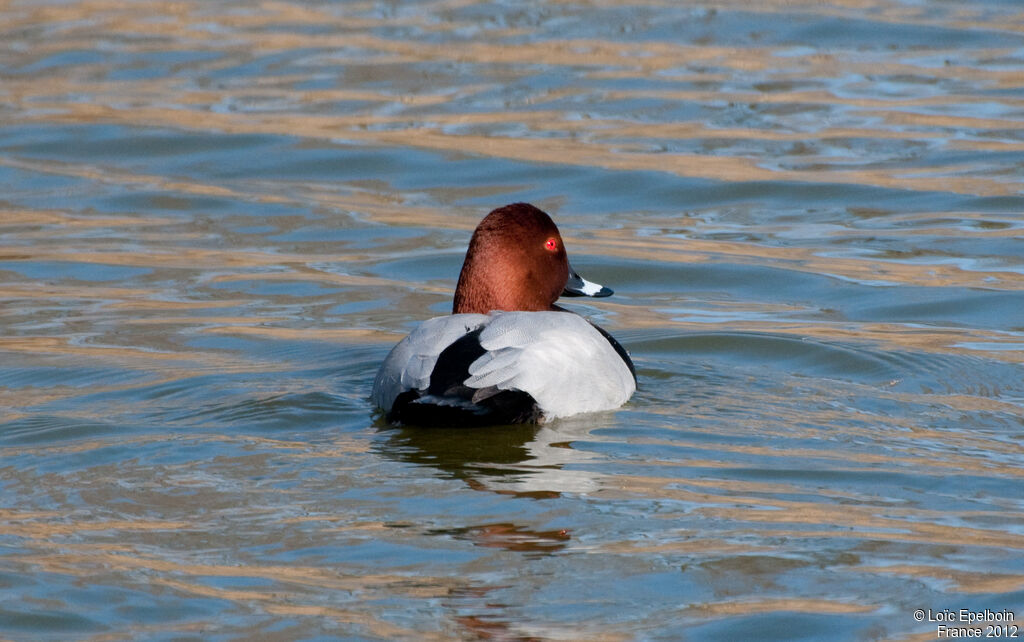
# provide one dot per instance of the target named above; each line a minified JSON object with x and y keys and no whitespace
{"x":217,"y":217}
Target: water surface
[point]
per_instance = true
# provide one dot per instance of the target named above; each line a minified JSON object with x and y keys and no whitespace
{"x":217,"y":218}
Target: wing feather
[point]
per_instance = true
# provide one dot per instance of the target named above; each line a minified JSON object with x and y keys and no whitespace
{"x":558,"y":358}
{"x":409,"y":364}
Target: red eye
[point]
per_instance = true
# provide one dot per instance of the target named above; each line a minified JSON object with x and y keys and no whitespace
{"x":551,"y":245}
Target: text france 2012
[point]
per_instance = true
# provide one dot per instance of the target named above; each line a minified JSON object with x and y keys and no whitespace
{"x":971,"y":623}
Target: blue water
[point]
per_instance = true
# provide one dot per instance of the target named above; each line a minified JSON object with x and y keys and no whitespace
{"x":218,"y":218}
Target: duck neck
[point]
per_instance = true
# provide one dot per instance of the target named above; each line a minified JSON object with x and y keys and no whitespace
{"x":497,"y":287}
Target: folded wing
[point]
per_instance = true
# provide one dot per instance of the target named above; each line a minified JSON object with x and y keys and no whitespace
{"x":561,"y":360}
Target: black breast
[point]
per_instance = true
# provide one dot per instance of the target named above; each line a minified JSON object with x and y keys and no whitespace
{"x":448,"y":401}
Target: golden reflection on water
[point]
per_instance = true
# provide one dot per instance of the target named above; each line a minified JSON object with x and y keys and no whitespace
{"x":553,"y":135}
{"x":88,"y":560}
{"x":202,"y":281}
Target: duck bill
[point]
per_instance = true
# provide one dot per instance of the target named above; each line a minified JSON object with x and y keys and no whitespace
{"x":578,"y":286}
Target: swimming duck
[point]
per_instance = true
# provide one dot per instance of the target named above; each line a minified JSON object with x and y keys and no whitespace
{"x":507,"y":353}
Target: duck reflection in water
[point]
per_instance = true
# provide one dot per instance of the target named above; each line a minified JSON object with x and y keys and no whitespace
{"x":523,"y":460}
{"x":520,"y":460}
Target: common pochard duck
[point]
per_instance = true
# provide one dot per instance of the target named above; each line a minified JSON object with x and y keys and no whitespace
{"x":507,"y":353}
